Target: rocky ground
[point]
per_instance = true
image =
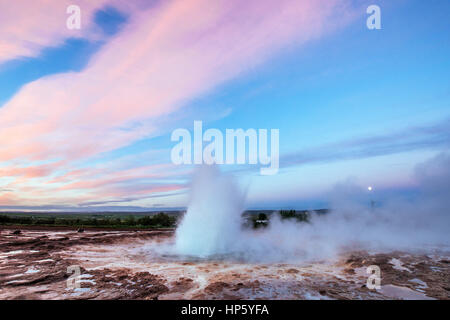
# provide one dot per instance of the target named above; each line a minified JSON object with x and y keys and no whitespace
{"x":39,"y":264}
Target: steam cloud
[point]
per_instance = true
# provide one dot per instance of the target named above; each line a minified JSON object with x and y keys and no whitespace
{"x":212,"y":224}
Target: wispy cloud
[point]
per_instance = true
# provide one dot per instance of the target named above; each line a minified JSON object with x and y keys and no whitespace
{"x":165,"y":56}
{"x":26,"y":27}
{"x":130,"y":199}
{"x":73,"y":209}
{"x":434,"y":136}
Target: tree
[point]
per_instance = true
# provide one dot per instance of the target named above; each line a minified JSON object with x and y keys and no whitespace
{"x":262,"y":216}
{"x":163,"y":220}
{"x":130,"y":221}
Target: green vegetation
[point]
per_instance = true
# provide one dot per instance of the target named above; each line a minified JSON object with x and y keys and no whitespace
{"x":139,"y":220}
{"x":300,"y":216}
{"x":262,"y":216}
{"x":261,"y":220}
{"x":160,"y":220}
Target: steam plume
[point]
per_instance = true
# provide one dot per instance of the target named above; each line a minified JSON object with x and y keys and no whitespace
{"x":213,"y":226}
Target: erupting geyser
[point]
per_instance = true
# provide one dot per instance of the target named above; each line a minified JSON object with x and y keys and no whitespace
{"x":212,"y":223}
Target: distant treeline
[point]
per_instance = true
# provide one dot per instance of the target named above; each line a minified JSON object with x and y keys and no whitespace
{"x":263,"y":219}
{"x":160,"y":220}
{"x":301,"y":216}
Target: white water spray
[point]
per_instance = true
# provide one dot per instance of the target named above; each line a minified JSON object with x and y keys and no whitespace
{"x":212,"y":224}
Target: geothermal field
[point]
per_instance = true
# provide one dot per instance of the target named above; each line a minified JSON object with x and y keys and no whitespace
{"x":129,"y":265}
{"x":210,"y":255}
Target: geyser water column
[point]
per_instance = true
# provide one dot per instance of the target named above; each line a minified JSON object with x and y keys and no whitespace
{"x":212,"y":223}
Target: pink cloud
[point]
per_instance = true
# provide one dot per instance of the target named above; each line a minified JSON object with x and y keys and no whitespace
{"x":166,"y":56}
{"x":28,"y":26}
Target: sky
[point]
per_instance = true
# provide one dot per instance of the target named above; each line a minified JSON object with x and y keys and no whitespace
{"x":86,"y":116}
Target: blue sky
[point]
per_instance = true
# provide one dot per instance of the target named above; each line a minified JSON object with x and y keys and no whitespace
{"x":349,"y":86}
